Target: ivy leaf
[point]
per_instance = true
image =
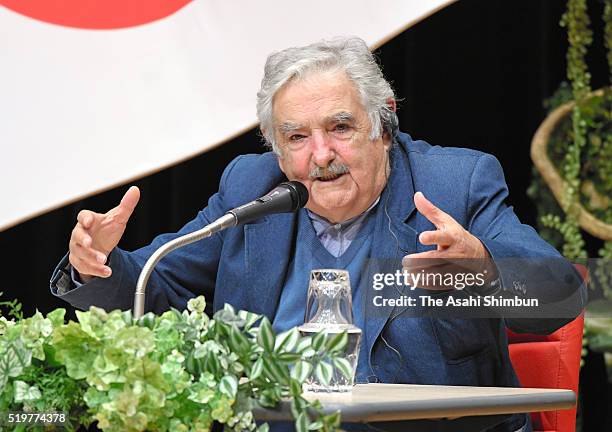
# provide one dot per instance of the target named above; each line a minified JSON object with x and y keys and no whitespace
{"x":324,"y":372}
{"x":229,"y":386}
{"x":265,"y":336}
{"x":344,"y":366}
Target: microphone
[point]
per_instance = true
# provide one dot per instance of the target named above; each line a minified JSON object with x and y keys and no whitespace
{"x":287,"y":197}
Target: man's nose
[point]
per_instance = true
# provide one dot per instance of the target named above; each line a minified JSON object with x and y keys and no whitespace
{"x":322,"y":149}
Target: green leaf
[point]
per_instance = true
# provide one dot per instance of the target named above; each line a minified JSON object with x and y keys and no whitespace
{"x":147,"y":320}
{"x":302,"y":422}
{"x":344,"y":366}
{"x":57,"y":317}
{"x":263,"y":428}
{"x":318,"y":425}
{"x":274,"y":371}
{"x":265,"y":336}
{"x":304,"y":344}
{"x":295,"y":387}
{"x":323,"y":372}
{"x":332,"y":420}
{"x":319,"y":340}
{"x":211,"y":363}
{"x":301,"y":371}
{"x":25,"y":392}
{"x":197,"y":304}
{"x":249,"y":318}
{"x":229,"y":386}
{"x":337,"y":342}
{"x":286,"y":341}
{"x":237,"y":341}
{"x":15,"y":358}
{"x":257,"y":369}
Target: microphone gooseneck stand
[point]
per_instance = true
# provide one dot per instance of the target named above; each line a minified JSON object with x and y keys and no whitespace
{"x":227,"y":221}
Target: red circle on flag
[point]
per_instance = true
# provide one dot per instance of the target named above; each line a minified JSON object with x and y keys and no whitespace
{"x":96,"y":14}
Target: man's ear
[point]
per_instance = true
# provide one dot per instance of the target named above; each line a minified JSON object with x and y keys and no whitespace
{"x":387,"y":138}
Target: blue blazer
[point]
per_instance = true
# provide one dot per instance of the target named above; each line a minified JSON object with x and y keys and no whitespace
{"x":246,"y":265}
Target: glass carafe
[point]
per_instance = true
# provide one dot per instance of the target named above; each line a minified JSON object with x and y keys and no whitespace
{"x":329,"y":308}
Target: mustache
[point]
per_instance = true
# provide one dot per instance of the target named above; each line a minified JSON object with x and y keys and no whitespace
{"x":332,"y":170}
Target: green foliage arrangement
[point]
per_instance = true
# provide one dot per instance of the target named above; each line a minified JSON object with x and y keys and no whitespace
{"x":180,"y":371}
{"x":581,"y":149}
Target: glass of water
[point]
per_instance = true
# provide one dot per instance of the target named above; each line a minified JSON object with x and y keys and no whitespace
{"x":329,"y":309}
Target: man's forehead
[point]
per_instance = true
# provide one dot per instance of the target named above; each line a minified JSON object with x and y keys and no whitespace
{"x":336,"y":117}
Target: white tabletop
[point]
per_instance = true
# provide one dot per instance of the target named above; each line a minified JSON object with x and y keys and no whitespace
{"x":395,"y":402}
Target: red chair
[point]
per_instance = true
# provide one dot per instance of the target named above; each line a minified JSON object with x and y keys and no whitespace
{"x":551,"y":361}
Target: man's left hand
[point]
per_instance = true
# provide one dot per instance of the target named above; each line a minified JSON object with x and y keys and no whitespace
{"x":457,"y":250}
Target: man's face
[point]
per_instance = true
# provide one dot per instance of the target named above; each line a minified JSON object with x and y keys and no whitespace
{"x":320,"y":124}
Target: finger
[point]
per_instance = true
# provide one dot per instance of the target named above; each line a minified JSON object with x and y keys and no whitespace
{"x":80,"y":236}
{"x":410,"y":260}
{"x":89,"y":267}
{"x":440,"y":237}
{"x":430,"y":211}
{"x":89,"y":254}
{"x":86,"y":218}
{"x":127,"y":205}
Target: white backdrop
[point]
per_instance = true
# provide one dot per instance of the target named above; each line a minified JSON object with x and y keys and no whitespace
{"x":82,"y":110}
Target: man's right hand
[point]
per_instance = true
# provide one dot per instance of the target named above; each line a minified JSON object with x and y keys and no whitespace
{"x":96,"y":235}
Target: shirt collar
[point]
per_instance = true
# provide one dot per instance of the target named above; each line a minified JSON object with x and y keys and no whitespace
{"x":321,"y":224}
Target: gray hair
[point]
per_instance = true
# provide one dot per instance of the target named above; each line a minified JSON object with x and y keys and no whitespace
{"x":350,"y":54}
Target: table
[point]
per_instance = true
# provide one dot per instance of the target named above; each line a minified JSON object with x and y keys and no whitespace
{"x":461,"y":407}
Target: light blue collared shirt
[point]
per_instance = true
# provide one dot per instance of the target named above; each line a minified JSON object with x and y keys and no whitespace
{"x":337,"y":238}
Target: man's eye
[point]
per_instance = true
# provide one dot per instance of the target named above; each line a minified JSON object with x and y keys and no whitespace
{"x":296,"y":138}
{"x":341,"y":128}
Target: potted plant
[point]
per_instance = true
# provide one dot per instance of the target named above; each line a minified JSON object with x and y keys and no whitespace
{"x":572,"y":182}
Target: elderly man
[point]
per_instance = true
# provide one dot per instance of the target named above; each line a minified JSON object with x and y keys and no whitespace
{"x":329,"y":116}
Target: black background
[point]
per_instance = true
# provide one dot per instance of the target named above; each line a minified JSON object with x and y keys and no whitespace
{"x":473,"y":75}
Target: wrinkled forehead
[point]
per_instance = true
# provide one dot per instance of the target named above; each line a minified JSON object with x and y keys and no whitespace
{"x":327,"y":96}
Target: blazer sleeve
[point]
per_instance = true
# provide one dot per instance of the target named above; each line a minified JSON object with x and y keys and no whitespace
{"x":528,"y":266}
{"x":184,"y":273}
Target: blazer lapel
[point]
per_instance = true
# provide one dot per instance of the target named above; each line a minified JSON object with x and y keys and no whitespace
{"x":269,"y":245}
{"x":394,"y":237}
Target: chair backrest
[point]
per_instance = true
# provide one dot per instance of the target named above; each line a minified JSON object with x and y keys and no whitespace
{"x":550,"y":361}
